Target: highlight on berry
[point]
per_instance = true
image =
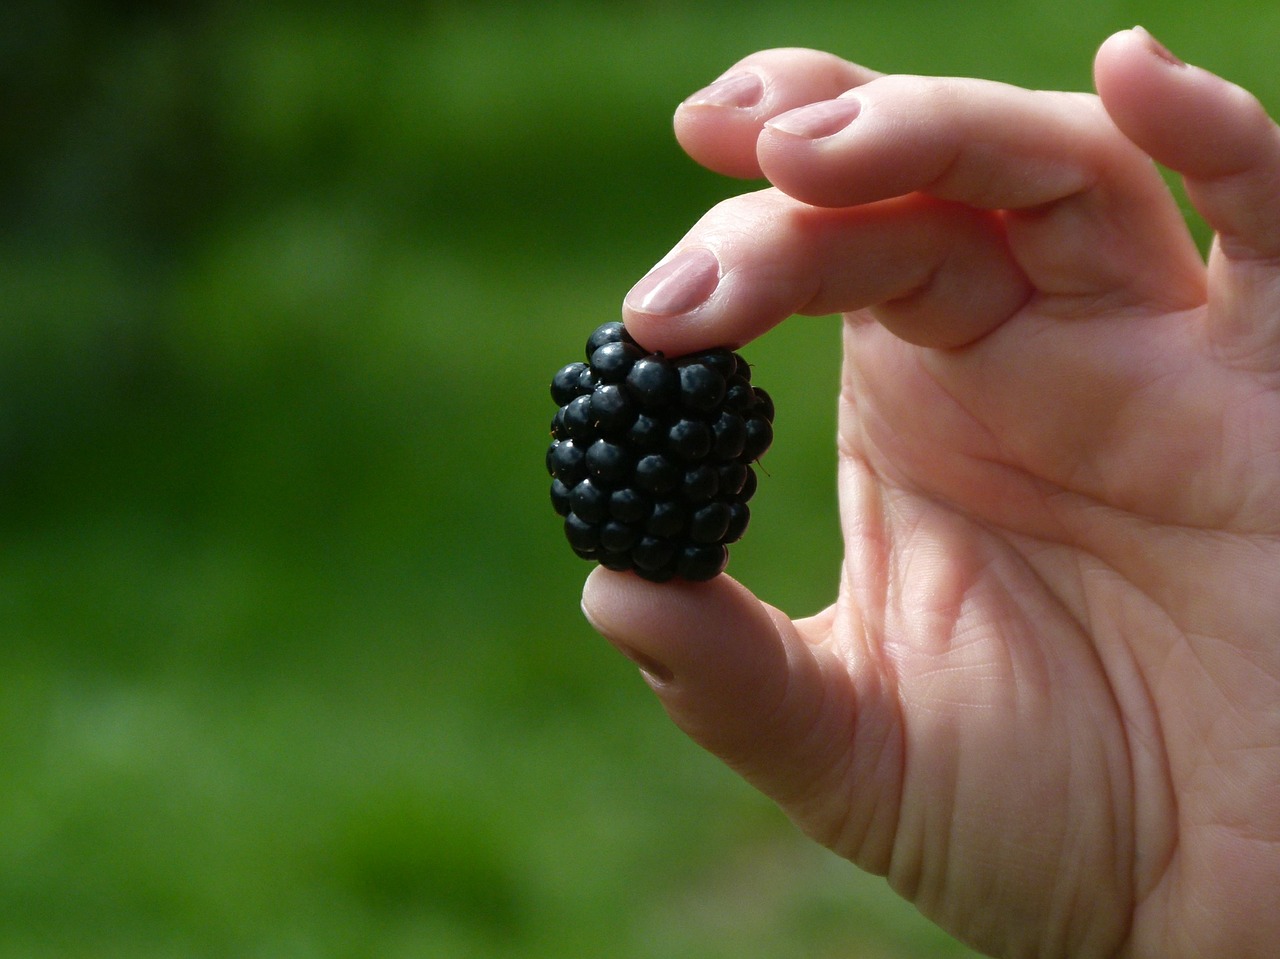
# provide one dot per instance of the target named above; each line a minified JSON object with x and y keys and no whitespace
{"x":651,"y":458}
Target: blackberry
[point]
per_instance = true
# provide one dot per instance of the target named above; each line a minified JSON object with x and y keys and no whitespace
{"x":651,"y":458}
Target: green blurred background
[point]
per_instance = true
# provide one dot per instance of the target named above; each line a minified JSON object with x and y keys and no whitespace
{"x":291,"y":663}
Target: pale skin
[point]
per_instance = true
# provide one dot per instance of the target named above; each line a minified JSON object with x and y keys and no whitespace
{"x":1046,"y":701}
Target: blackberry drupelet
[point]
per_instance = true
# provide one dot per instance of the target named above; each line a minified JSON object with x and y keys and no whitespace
{"x":651,"y":458}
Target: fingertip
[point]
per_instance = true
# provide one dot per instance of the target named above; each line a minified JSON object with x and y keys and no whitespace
{"x":1216,"y":134}
{"x":693,"y":299}
{"x":716,"y":655}
{"x":1119,"y":42}
{"x":1125,"y":65}
{"x":718,"y":125}
{"x":1185,"y":117}
{"x":681,"y":283}
{"x":1136,"y":42}
{"x":608,"y":599}
{"x":794,"y":152}
{"x":676,"y":624}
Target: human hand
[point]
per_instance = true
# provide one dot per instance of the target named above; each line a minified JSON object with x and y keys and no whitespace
{"x":1046,"y":702}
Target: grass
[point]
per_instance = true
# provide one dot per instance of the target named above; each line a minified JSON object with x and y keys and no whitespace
{"x":290,"y":657}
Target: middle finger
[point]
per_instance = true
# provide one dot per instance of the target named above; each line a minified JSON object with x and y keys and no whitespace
{"x":1088,"y":213}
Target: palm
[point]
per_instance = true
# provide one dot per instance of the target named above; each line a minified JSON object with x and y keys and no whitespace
{"x":1047,"y":700}
{"x":1036,"y":589}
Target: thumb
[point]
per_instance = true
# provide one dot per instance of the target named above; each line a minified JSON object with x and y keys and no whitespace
{"x":740,"y":679}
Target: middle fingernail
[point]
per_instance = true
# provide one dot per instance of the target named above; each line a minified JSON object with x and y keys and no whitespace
{"x":817,"y":120}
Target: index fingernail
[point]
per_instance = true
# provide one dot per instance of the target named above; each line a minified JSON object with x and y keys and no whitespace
{"x":678,"y":285}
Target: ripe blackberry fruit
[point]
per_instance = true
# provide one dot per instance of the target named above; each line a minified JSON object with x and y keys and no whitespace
{"x":651,"y":458}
